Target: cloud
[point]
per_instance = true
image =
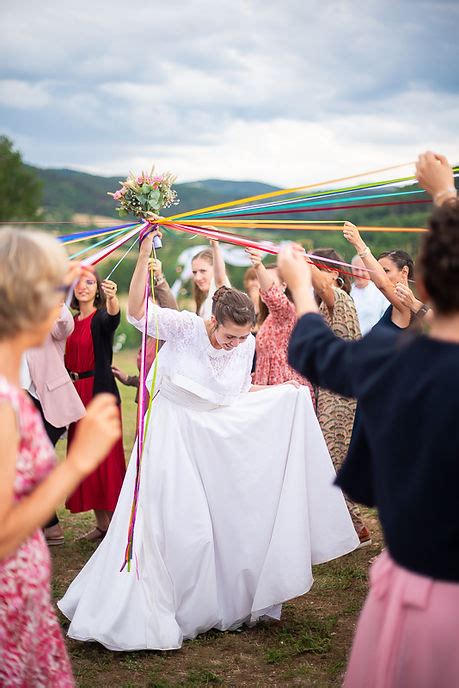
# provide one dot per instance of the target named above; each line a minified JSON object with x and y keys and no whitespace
{"x":23,"y":95}
{"x":220,"y":91}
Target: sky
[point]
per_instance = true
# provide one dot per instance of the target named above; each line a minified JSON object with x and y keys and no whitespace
{"x":281,"y":91}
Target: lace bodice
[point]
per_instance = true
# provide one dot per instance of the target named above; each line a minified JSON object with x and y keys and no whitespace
{"x":189,"y":359}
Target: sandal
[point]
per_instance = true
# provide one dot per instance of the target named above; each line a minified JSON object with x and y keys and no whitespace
{"x":54,"y":535}
{"x":94,"y":535}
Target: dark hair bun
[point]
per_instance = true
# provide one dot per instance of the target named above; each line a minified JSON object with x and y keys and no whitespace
{"x":220,"y":293}
{"x":234,"y":306}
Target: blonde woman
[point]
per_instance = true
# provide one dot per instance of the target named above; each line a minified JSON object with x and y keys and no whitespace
{"x":33,"y":277}
{"x":208,"y":274}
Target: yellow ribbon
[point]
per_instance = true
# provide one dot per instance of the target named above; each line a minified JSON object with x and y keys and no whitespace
{"x":283,"y":192}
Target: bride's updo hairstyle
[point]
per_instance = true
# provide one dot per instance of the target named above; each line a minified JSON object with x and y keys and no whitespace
{"x":438,"y":261}
{"x":233,"y":305}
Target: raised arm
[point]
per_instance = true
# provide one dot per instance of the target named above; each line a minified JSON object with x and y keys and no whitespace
{"x":376,"y":270}
{"x":314,"y":350}
{"x":136,"y":298}
{"x":265,"y":277}
{"x":163,"y":293}
{"x":220,"y":277}
{"x":322,"y":282}
{"x":110,"y":288}
{"x":435,"y":175}
{"x":63,"y":326}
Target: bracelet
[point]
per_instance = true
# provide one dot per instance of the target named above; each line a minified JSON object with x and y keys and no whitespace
{"x":365,"y":252}
{"x":422,"y":311}
{"x":445,"y":192}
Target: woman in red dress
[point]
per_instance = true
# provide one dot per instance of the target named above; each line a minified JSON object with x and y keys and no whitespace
{"x":88,"y":359}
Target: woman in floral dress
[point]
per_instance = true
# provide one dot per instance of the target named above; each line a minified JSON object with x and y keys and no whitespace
{"x":335,"y":412}
{"x":272,"y":367}
{"x":32,"y":652}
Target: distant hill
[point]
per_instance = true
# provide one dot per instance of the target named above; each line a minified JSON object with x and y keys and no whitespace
{"x":66,"y":192}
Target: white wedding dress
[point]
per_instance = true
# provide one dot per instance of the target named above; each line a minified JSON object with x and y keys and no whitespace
{"x":236,"y":502}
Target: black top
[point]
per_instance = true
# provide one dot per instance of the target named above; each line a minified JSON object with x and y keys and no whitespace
{"x":386,"y":320}
{"x":405,"y":458}
{"x":103,"y":328}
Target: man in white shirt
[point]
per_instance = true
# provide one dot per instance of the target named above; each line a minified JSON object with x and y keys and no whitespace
{"x":370,"y":303}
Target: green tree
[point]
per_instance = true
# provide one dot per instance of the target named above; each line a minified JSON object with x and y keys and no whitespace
{"x":20,"y":189}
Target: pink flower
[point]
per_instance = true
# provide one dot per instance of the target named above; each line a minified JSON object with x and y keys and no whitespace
{"x":139,"y":180}
{"x":117,"y":195}
{"x":158,"y":180}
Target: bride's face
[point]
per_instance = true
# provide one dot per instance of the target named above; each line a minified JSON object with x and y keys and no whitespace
{"x":229,"y":335}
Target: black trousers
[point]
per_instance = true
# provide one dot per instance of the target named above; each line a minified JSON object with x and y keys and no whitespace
{"x":54,"y":434}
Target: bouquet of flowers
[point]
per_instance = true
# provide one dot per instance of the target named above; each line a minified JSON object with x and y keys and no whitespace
{"x":145,"y":195}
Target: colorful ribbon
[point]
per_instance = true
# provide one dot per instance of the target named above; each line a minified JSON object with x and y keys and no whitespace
{"x":143,"y":420}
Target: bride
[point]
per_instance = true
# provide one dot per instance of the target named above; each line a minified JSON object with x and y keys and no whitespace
{"x":236,"y":499}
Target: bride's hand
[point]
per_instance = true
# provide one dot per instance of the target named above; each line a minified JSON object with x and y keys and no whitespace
{"x":294,"y":383}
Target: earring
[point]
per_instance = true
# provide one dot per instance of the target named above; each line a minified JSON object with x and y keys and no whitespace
{"x":97,"y":294}
{"x":340,"y":282}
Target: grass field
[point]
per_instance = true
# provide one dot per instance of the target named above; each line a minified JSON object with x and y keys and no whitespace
{"x":308,"y":647}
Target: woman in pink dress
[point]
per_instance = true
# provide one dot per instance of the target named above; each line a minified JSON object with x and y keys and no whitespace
{"x":32,"y":650}
{"x":88,"y":358}
{"x":272,"y":367}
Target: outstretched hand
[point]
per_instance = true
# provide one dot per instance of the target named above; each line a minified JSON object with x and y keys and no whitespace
{"x":405,"y":295}
{"x":295,"y":270}
{"x":120,"y":375}
{"x":255,"y":256}
{"x":155,"y":266}
{"x":435,"y":175}
{"x":109,"y":288}
{"x":76,"y":270}
{"x":351,"y":234}
{"x":146,"y":245}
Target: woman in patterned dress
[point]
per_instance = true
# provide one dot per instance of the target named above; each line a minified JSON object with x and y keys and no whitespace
{"x":33,"y":276}
{"x":272,"y":367}
{"x":336,"y":413}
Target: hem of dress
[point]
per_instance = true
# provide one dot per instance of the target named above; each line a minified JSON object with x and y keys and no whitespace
{"x":130,"y":648}
{"x":336,"y":556}
{"x":253,"y":616}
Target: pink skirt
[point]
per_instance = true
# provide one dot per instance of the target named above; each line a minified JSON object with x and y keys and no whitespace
{"x":408,"y":632}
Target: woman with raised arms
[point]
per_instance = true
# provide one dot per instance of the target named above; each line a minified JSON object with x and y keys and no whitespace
{"x":407,"y":466}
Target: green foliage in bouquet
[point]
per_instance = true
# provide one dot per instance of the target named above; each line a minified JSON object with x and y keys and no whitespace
{"x":145,"y":195}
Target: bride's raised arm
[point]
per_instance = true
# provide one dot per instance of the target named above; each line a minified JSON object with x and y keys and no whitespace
{"x":163,"y":323}
{"x":136,"y":299}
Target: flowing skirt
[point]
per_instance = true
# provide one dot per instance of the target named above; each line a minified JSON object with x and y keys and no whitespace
{"x":236,"y":503}
{"x":408,"y":631}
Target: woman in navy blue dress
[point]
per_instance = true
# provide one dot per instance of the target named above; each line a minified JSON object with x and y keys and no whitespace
{"x":406,"y":465}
